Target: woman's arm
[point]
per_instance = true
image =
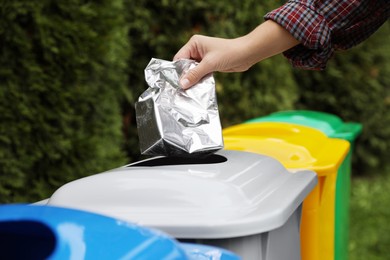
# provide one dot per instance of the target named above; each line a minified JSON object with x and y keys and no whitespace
{"x":233,"y":55}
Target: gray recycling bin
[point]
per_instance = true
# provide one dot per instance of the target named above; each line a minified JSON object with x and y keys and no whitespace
{"x":244,"y":202}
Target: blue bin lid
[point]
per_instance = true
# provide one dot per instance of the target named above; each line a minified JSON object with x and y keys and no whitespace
{"x":204,"y":252}
{"x":41,"y":232}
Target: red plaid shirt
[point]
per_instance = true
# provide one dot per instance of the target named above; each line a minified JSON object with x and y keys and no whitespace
{"x":323,"y":26}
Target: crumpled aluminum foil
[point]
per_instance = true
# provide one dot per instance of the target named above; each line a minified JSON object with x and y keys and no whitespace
{"x":176,"y":122}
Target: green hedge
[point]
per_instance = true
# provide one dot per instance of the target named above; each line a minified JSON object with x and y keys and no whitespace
{"x":62,"y":71}
{"x":70,"y":70}
{"x":356,"y":87}
{"x":259,"y":91}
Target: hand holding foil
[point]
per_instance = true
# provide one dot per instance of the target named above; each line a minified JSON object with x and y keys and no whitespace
{"x":172,"y":121}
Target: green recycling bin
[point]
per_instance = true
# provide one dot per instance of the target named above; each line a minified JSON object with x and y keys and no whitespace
{"x":333,"y":127}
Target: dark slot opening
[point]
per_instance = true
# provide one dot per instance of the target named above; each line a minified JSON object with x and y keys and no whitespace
{"x":211,"y":159}
{"x":25,"y":240}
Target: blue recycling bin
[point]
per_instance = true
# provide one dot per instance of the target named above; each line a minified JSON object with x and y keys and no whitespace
{"x":47,"y":232}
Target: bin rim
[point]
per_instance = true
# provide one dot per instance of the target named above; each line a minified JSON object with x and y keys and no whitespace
{"x":263,"y":137}
{"x":330,"y":124}
{"x":70,"y":227}
{"x":196,"y":201}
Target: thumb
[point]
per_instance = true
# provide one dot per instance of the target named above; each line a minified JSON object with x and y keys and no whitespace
{"x":194,"y":75}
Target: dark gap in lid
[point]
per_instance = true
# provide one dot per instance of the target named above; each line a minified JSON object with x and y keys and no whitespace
{"x":165,"y":161}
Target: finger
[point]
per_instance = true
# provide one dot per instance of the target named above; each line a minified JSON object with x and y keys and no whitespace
{"x":190,"y":50}
{"x":194,"y":75}
{"x":186,"y":51}
{"x":183,"y":53}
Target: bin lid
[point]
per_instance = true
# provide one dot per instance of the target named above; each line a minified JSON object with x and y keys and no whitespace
{"x":329,"y":124}
{"x":205,"y":252}
{"x":46,"y":232}
{"x":295,"y":146}
{"x":228,"y":194}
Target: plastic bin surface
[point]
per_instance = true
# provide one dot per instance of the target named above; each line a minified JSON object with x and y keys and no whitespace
{"x":204,"y":252}
{"x":300,"y":147}
{"x":334,"y":127}
{"x":41,"y":232}
{"x":230,"y":194}
{"x":46,"y":232}
{"x":329,"y":124}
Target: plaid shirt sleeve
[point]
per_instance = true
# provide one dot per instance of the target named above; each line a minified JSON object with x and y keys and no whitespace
{"x":328,"y":25}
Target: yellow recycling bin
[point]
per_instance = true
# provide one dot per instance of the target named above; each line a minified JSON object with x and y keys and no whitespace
{"x":300,"y":147}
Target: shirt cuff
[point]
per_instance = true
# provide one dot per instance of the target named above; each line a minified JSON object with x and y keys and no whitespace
{"x":308,"y":27}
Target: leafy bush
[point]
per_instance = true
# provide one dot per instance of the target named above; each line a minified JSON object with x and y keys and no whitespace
{"x":370,"y":233}
{"x":70,"y":70}
{"x":62,"y":69}
{"x":356,"y":87}
{"x":258,"y":91}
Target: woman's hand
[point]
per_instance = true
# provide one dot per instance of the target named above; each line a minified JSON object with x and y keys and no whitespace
{"x":233,"y":55}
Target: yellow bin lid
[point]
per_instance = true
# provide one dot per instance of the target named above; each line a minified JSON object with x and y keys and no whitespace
{"x":295,"y":146}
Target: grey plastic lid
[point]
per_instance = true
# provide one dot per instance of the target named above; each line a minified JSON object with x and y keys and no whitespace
{"x":228,"y":194}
